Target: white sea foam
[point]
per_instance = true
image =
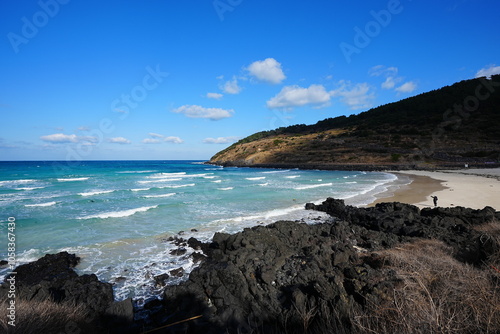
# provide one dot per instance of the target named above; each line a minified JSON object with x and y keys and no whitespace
{"x":165,"y":175}
{"x":313,"y":186}
{"x":73,"y":179}
{"x":160,"y":180}
{"x":159,"y":196}
{"x":137,"y":171}
{"x":255,"y":178}
{"x":292,"y":177}
{"x":92,"y":193}
{"x":262,"y":216}
{"x":180,"y":186}
{"x":120,"y":214}
{"x":228,"y":188}
{"x":263,"y":184}
{"x":15,"y":182}
{"x":140,"y":189}
{"x":217,"y":181}
{"x":176,"y":175}
{"x":276,"y":171}
{"x":210,"y":177}
{"x":41,"y":204}
{"x":29,"y":188}
{"x":197,"y":175}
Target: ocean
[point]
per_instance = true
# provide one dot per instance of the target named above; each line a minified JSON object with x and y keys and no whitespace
{"x":118,"y":215}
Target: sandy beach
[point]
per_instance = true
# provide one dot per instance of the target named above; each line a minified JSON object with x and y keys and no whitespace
{"x":473,"y":188}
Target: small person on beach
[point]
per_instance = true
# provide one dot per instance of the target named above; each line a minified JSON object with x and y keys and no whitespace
{"x":435,"y":200}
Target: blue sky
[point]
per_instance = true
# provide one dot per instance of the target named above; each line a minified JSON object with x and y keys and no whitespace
{"x":160,"y":79}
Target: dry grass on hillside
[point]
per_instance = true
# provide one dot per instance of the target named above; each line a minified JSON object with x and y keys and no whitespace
{"x":438,"y":294}
{"x":46,"y":317}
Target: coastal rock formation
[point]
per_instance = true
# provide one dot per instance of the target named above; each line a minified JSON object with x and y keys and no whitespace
{"x":52,"y":278}
{"x":290,"y":276}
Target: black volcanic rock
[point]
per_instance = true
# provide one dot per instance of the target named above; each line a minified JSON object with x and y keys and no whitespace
{"x":264,"y":275}
{"x":389,"y":223}
{"x":52,"y":278}
{"x":269,"y":278}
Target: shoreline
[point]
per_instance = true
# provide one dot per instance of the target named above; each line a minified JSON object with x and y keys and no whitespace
{"x":472,"y":188}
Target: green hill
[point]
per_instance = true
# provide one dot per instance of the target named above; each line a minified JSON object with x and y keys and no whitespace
{"x":450,"y":126}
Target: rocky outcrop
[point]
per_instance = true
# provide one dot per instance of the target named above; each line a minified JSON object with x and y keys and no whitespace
{"x":52,"y":278}
{"x":294,"y":277}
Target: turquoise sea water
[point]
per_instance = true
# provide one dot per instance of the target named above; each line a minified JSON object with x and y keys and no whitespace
{"x":117,"y":215}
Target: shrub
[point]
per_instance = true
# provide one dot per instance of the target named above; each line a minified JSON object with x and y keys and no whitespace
{"x":395,"y":157}
{"x":438,"y":294}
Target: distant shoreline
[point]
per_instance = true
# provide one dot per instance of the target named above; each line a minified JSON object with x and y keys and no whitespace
{"x":359,"y":167}
{"x":473,"y":188}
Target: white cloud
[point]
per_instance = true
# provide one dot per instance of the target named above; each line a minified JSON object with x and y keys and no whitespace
{"x":61,"y":138}
{"x":407,"y":87}
{"x":221,"y":140}
{"x":488,"y":71}
{"x":158,"y":138}
{"x":390,"y":74}
{"x":119,"y":140}
{"x":296,"y":96}
{"x":194,"y":111}
{"x":268,"y":70}
{"x":215,"y":96}
{"x":231,"y":86}
{"x":155,"y":135}
{"x":390,"y":82}
{"x":151,"y":141}
{"x":392,"y":79}
{"x":172,"y":139}
{"x":83,"y":128}
{"x":381,"y":70}
{"x":356,"y":96}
